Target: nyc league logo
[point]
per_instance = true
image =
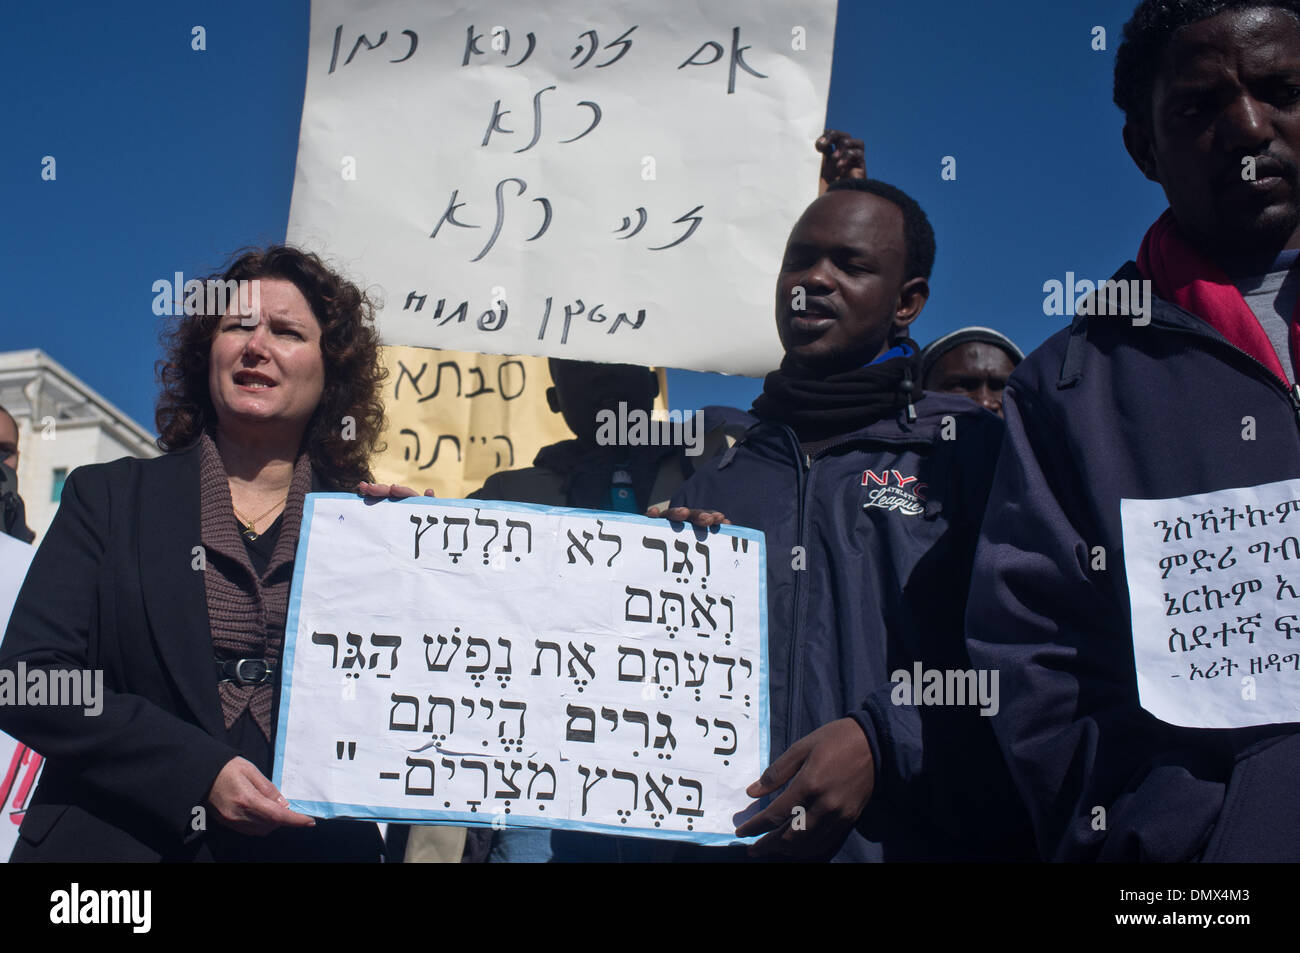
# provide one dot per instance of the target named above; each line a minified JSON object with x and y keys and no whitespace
{"x":890,"y":490}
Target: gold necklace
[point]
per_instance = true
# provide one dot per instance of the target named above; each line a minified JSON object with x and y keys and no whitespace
{"x":250,"y":526}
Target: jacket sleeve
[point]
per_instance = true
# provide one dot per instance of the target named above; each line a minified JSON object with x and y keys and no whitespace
{"x":1103,"y":779}
{"x":901,"y":732}
{"x":940,"y":765}
{"x":132,"y":754}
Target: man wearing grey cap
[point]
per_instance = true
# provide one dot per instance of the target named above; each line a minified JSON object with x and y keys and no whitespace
{"x":974,"y":362}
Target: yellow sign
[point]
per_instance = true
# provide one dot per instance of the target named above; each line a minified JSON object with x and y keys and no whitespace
{"x":455,"y":417}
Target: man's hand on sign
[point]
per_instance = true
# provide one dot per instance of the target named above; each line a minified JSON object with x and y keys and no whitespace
{"x":683,"y":514}
{"x":389,"y":491}
{"x":843,"y":157}
{"x":245,"y":801}
{"x":833,"y":777}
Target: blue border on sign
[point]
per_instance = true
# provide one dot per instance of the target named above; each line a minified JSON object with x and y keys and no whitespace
{"x":330,"y":809}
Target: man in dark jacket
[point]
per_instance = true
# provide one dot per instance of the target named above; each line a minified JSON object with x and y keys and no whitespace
{"x":974,"y":362}
{"x":13,"y":513}
{"x":593,"y":472}
{"x":870,"y":494}
{"x":1183,"y":394}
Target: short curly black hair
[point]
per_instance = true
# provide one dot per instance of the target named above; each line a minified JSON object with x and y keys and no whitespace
{"x":918,"y":234}
{"x":1148,"y":32}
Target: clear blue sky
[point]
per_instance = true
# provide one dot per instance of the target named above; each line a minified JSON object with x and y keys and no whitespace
{"x":169,"y":159}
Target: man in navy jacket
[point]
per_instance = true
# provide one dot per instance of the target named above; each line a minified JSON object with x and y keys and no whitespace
{"x":1189,"y":395}
{"x":870,"y":495}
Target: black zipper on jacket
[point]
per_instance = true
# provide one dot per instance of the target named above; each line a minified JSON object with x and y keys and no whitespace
{"x":792,"y":661}
{"x":804,"y":468}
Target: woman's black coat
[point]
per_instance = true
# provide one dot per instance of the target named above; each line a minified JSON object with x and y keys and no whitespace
{"x":117,"y":585}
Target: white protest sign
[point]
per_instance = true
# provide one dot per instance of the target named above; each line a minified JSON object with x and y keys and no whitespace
{"x":20,"y":766}
{"x":609,"y":182}
{"x":1214,"y":585}
{"x":15,"y":557}
{"x":520,"y":665}
{"x":20,"y":769}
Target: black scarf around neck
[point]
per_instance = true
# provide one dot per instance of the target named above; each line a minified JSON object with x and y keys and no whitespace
{"x":819,"y":406}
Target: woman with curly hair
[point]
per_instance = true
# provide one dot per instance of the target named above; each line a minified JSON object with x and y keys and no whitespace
{"x":166,"y":582}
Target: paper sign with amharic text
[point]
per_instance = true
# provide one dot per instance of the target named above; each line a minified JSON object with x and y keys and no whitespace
{"x":1214,"y":584}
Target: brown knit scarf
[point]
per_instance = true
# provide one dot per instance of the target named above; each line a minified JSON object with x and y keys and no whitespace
{"x":247,"y":614}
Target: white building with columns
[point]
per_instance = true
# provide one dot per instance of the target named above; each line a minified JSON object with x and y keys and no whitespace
{"x":62,"y":424}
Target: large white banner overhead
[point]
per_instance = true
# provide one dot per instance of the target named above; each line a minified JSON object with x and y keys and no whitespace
{"x":608,"y":181}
